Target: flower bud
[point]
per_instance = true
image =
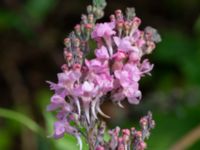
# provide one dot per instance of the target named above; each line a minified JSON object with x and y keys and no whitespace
{"x":67,"y":42}
{"x":64,"y":67}
{"x":84,"y":19}
{"x":118,"y":12}
{"x":120,"y":24}
{"x":77,"y":29}
{"x":89,"y":9}
{"x":68,"y":55}
{"x":76,"y":66}
{"x":136,"y":21}
{"x":76,"y":42}
{"x":91,"y":18}
{"x":88,"y":26}
{"x":112,"y":18}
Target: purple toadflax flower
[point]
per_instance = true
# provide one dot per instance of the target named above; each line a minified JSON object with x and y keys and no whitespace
{"x":112,"y":74}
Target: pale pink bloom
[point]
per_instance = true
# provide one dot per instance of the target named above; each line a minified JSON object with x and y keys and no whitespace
{"x":140,"y":42}
{"x":103,"y":30}
{"x":132,"y":93}
{"x":89,"y":92}
{"x":118,"y":96}
{"x":133,"y":71}
{"x":134,"y":57}
{"x":65,"y":83}
{"x":59,"y":129}
{"x":62,"y":114}
{"x":57,"y":102}
{"x":104,"y":82}
{"x":119,"y":55}
{"x":123,"y":77}
{"x":136,"y":35}
{"x":128,"y":78}
{"x":88,"y":87}
{"x":102,"y":53}
{"x":58,"y":88}
{"x":117,"y":65}
{"x":146,"y":67}
{"x":97,"y":66}
{"x":125,"y":44}
{"x":127,"y":75}
{"x":62,"y":126}
{"x":67,"y":76}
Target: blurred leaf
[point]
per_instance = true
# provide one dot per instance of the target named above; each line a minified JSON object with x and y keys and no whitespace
{"x":197,"y":26}
{"x":180,"y":52}
{"x":6,"y":19}
{"x":5,"y":139}
{"x":34,"y":12}
{"x":10,"y":20}
{"x":170,"y":127}
{"x":175,"y":47}
{"x":38,"y":9}
{"x":196,"y":146}
{"x":21,"y":118}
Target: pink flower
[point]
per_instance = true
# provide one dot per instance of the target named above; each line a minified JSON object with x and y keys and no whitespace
{"x":103,"y":30}
{"x":125,"y":44}
{"x":134,"y":57}
{"x":128,"y":78}
{"x":102,"y":53}
{"x":132,"y":93}
{"x":59,"y":89}
{"x":123,"y":77}
{"x":89,"y":92}
{"x":88,"y":89}
{"x":133,"y":71}
{"x":65,"y":83}
{"x":68,"y":76}
{"x":59,"y":129}
{"x":119,"y":55}
{"x":62,"y":126}
{"x":146,"y":67}
{"x":58,"y":102}
{"x":104,"y":82}
{"x":127,"y":75}
{"x":118,"y":95}
{"x":97,"y":66}
{"x":113,"y":73}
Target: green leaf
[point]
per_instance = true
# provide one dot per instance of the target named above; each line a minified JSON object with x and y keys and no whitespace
{"x":170,"y":127}
{"x":6,"y":139}
{"x":21,"y":118}
{"x":197,"y":26}
{"x":38,"y":9}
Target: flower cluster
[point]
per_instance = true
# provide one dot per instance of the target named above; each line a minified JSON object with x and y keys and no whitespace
{"x":127,"y":138}
{"x":112,"y":73}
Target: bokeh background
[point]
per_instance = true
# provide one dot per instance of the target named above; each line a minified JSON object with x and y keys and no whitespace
{"x":31,"y":48}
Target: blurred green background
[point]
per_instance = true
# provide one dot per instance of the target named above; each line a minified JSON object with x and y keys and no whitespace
{"x":31,"y":48}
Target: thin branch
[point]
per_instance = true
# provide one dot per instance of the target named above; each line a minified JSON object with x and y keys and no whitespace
{"x":187,"y":140}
